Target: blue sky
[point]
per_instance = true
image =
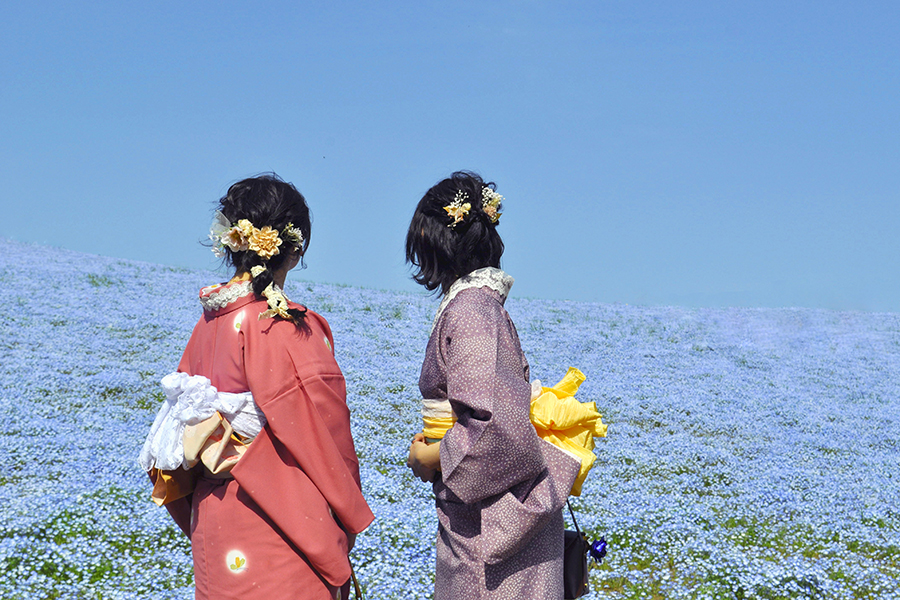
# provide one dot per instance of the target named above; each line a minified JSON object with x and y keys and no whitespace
{"x":694,"y":153}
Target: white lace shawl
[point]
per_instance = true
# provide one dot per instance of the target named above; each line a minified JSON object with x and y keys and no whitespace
{"x":489,"y":277}
{"x":221,"y":296}
{"x":190,"y":400}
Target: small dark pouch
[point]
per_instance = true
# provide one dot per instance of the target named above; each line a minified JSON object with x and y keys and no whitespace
{"x":575,"y":561}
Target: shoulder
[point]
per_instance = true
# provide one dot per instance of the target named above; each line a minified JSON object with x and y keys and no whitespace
{"x":280,"y":350}
{"x":473,"y":310}
{"x":319,"y":329}
{"x":315,"y":334}
{"x":313,"y":318}
{"x":476,"y":298}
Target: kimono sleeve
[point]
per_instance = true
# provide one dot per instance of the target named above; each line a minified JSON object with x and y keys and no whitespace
{"x":297,"y":384}
{"x":493,"y":445}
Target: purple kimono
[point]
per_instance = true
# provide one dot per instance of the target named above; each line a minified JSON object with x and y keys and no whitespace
{"x":499,"y":500}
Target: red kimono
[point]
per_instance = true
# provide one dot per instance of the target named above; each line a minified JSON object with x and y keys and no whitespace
{"x":278,"y":529}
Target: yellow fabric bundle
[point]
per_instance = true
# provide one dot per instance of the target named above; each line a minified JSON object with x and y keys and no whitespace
{"x":567,"y":423}
{"x":434,"y":428}
{"x":557,"y":417}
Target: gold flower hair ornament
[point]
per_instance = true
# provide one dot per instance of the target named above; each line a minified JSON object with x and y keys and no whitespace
{"x":264,"y":242}
{"x":459,"y":208}
{"x":244,"y":236}
{"x":275,"y":298}
{"x":490,"y":204}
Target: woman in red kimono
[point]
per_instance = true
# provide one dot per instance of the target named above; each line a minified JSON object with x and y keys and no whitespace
{"x":499,"y":488}
{"x":251,"y":452}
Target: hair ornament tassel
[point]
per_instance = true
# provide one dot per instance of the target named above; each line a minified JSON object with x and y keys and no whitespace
{"x":459,"y":208}
{"x":275,"y":298}
{"x":278,"y":304}
{"x":490,"y":204}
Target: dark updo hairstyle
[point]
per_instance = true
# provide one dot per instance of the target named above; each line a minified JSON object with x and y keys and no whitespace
{"x":441,"y":253}
{"x":267,"y":200}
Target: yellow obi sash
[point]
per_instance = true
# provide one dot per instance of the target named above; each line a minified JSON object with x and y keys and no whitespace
{"x":567,"y":423}
{"x":437,"y":419}
{"x":557,"y":417}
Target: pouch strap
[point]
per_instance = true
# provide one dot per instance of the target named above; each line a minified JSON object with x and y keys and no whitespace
{"x":573,"y":516}
{"x":356,"y":588}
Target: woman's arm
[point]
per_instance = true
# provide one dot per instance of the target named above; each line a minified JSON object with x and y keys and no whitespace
{"x":493,"y":445}
{"x":302,"y":468}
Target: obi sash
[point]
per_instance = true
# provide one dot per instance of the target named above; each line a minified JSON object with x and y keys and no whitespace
{"x":557,"y":416}
{"x":196,"y":424}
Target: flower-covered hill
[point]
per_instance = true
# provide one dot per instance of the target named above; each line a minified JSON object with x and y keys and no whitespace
{"x":752,"y":453}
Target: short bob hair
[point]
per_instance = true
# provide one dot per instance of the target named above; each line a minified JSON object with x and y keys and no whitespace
{"x":442,"y":253}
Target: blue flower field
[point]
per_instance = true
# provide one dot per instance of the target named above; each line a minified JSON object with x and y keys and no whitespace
{"x":752,"y":453}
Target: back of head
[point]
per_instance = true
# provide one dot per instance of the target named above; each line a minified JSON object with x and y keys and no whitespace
{"x":454,"y":231}
{"x":280,"y":219}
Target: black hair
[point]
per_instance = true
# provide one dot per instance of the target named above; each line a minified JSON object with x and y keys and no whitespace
{"x":267,"y":200}
{"x":442,"y":251}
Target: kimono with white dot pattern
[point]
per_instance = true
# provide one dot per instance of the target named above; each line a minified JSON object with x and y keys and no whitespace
{"x":501,"y":488}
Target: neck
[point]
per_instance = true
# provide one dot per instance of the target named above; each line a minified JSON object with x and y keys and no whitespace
{"x":278,"y":277}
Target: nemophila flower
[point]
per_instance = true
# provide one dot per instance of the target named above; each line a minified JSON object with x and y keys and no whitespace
{"x":755,"y":449}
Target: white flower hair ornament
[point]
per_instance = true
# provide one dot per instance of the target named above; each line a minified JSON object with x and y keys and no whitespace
{"x":459,"y":208}
{"x":293,"y":235}
{"x":490,"y":204}
{"x":217,"y":231}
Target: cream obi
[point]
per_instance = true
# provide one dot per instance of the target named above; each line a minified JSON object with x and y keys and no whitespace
{"x":197,"y":424}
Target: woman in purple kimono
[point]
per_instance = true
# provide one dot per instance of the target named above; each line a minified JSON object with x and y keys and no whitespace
{"x":499,"y":489}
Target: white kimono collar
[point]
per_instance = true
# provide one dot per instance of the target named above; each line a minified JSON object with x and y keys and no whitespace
{"x":490,"y":277}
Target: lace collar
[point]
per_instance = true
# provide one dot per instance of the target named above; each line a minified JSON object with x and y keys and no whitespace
{"x":489,"y":277}
{"x":218,"y":296}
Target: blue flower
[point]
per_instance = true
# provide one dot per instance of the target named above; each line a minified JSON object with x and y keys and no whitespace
{"x":750,"y":451}
{"x":598,"y":550}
